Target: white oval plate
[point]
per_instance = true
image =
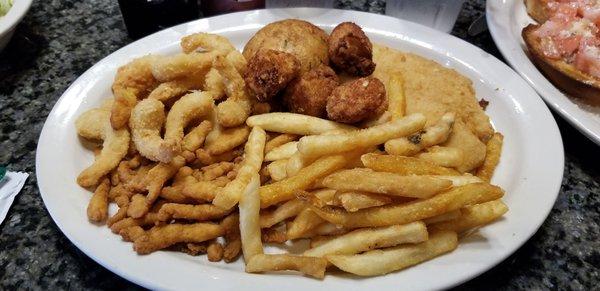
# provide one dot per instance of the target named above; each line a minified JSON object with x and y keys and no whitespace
{"x":505,"y":20}
{"x":530,"y":170}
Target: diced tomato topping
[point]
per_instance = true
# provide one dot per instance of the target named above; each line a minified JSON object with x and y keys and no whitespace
{"x":566,"y":46}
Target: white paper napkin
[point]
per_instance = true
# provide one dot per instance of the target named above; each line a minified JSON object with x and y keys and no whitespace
{"x":10,"y":186}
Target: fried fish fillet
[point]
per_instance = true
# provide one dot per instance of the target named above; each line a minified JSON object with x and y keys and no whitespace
{"x":433,"y":90}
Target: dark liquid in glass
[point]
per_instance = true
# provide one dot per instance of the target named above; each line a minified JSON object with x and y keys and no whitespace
{"x":143,"y":17}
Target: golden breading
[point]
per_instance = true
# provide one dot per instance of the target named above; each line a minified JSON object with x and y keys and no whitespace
{"x":357,"y":100}
{"x":309,"y":93}
{"x":269,"y":71}
{"x":350,"y":50}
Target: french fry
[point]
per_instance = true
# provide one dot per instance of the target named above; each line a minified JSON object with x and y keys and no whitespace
{"x":386,"y":183}
{"x":443,"y":156}
{"x":97,"y":209}
{"x":381,"y":119}
{"x":310,"y":266}
{"x":325,"y":228}
{"x":379,"y":262}
{"x":492,"y":157}
{"x":293,"y":123}
{"x":253,"y":157}
{"x":283,"y":212}
{"x":326,"y":197}
{"x":279,"y":140}
{"x":195,"y":138}
{"x":473,"y":216}
{"x":200,"y":212}
{"x":303,"y":223}
{"x":296,"y":162}
{"x":354,"y":201}
{"x":452,"y":199}
{"x":273,"y":235}
{"x":285,"y":189}
{"x":460,"y":180}
{"x":227,"y":140}
{"x":431,"y":135}
{"x":249,"y":220}
{"x":371,"y":238}
{"x":284,"y":151}
{"x":162,"y":236}
{"x":396,"y":96}
{"x":278,"y":169}
{"x":404,"y":165}
{"x":320,"y":145}
{"x":450,"y":215}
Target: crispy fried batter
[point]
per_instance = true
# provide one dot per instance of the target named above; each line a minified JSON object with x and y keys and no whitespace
{"x":351,"y":50}
{"x":309,"y":93}
{"x":269,"y":71}
{"x":357,"y":100}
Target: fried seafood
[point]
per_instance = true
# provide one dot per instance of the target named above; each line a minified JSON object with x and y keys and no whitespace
{"x":350,"y":50}
{"x":233,"y":111}
{"x":146,"y":122}
{"x":357,"y":100}
{"x":133,"y":81}
{"x":269,"y":71}
{"x":114,"y":147}
{"x":309,"y":93}
{"x":190,"y":107}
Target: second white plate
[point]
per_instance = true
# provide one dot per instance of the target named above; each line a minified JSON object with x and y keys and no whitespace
{"x":505,"y":20}
{"x":530,"y":169}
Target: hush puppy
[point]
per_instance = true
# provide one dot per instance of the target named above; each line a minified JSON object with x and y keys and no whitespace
{"x":357,"y":100}
{"x":269,"y":71}
{"x":350,"y":50}
{"x":309,"y":93}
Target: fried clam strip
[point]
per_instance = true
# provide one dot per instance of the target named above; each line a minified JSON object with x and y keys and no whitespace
{"x":452,"y":199}
{"x":97,"y":209}
{"x":154,"y":181}
{"x":320,"y":145}
{"x":201,"y":190}
{"x":286,"y":189}
{"x":190,"y":107}
{"x":133,"y":81}
{"x":431,"y":135}
{"x":473,"y":216}
{"x":379,"y":262}
{"x":227,"y":140}
{"x":249,"y":207}
{"x":169,"y":68}
{"x":233,"y":241}
{"x":233,"y":111}
{"x":367,"y":239}
{"x":279,"y":140}
{"x":253,"y":157}
{"x":306,"y":221}
{"x":294,"y":123}
{"x":404,"y":165}
{"x":114,"y":147}
{"x":311,"y":266}
{"x":205,"y":42}
{"x":283,"y":151}
{"x":162,"y":236}
{"x":194,"y":139}
{"x":386,"y":183}
{"x":492,"y":157}
{"x":147,"y":119}
{"x":281,"y":213}
{"x":191,"y":212}
{"x":176,"y":88}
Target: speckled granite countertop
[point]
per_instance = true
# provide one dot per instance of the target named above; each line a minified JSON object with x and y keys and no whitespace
{"x":59,"y":39}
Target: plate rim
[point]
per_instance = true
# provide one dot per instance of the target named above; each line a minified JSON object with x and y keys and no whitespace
{"x":154,"y":285}
{"x":556,"y":101}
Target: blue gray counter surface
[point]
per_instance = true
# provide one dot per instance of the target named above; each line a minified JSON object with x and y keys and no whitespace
{"x":59,"y":39}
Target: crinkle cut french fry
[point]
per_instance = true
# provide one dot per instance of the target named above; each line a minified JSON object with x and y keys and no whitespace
{"x":285,"y":189}
{"x":320,"y":145}
{"x":281,"y":213}
{"x":227,"y":197}
{"x":404,"y":165}
{"x":303,"y":223}
{"x":379,"y":262}
{"x":294,"y":123}
{"x":249,"y":207}
{"x":386,"y":183}
{"x":492,"y":157}
{"x":162,"y":236}
{"x":473,"y":216}
{"x":310,"y":266}
{"x":371,"y":238}
{"x":431,"y":135}
{"x":284,"y":151}
{"x":279,"y":140}
{"x":452,"y":199}
{"x":97,"y":209}
{"x":278,"y":169}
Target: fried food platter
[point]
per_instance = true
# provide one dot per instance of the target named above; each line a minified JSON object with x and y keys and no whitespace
{"x":530,"y":169}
